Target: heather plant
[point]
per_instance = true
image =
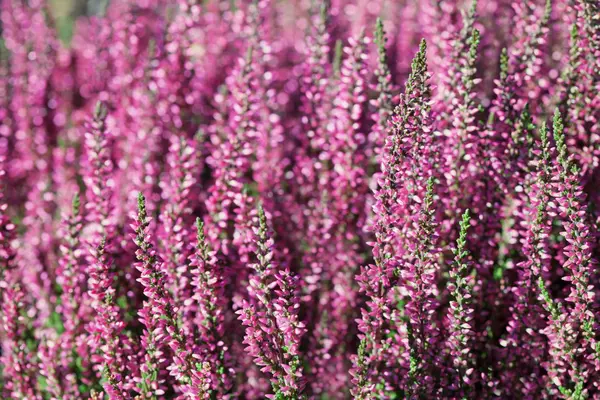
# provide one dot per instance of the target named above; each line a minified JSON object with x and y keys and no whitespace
{"x":290,"y":200}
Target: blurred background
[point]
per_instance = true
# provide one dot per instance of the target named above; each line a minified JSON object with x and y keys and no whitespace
{"x":64,"y":12}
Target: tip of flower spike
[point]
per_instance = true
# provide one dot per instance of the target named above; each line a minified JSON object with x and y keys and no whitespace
{"x":337,"y":58}
{"x":249,"y":55}
{"x":200,"y":230}
{"x":544,"y":134}
{"x":100,"y":111}
{"x":429,"y":190}
{"x":504,"y":63}
{"x":423,"y":48}
{"x":419,"y":63}
{"x":141,"y":206}
{"x":361,"y":35}
{"x":466,"y":215}
{"x":474,"y":41}
{"x":379,"y":33}
{"x":102,"y":244}
{"x":465,"y":223}
{"x":430,"y":182}
{"x":324,"y":11}
{"x":574,"y":33}
{"x":559,"y":137}
{"x":557,"y":123}
{"x":76,"y":204}
{"x":262,"y":219}
{"x":526,"y":115}
{"x":473,"y":8}
{"x":200,"y":135}
{"x":380,"y":40}
{"x":547,"y":11}
{"x":575,"y":170}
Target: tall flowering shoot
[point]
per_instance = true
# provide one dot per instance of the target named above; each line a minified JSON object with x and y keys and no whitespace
{"x":273,"y":330}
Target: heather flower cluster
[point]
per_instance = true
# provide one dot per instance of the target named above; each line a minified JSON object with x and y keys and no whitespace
{"x":342,"y":199}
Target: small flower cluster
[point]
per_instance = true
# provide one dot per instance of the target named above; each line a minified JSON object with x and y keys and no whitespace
{"x":300,"y":200}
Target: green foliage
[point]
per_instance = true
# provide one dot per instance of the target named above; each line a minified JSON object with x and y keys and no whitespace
{"x":55,"y":322}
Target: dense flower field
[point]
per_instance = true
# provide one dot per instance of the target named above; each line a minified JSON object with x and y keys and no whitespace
{"x":298,"y":200}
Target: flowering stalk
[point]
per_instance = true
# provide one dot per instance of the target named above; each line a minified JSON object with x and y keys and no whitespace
{"x":450,"y":56}
{"x":108,"y":327}
{"x":408,"y":144}
{"x":591,"y":11}
{"x":383,"y":102}
{"x":18,"y":370}
{"x":316,"y":70}
{"x":98,"y":171}
{"x":524,"y":346}
{"x":70,"y":276}
{"x":461,"y":314}
{"x":310,"y":191}
{"x":567,"y":328}
{"x":419,"y":279}
{"x":209,"y":296}
{"x":464,"y":147}
{"x":16,"y":358}
{"x":560,"y":335}
{"x":107,"y":339}
{"x":161,"y":320}
{"x":7,"y":229}
{"x":273,"y":330}
{"x":520,"y":64}
{"x":306,"y":168}
{"x":576,"y":231}
{"x":573,"y":89}
{"x":174,"y":218}
{"x":233,"y":161}
{"x":517,"y":67}
{"x":149,"y":383}
{"x":344,"y":186}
